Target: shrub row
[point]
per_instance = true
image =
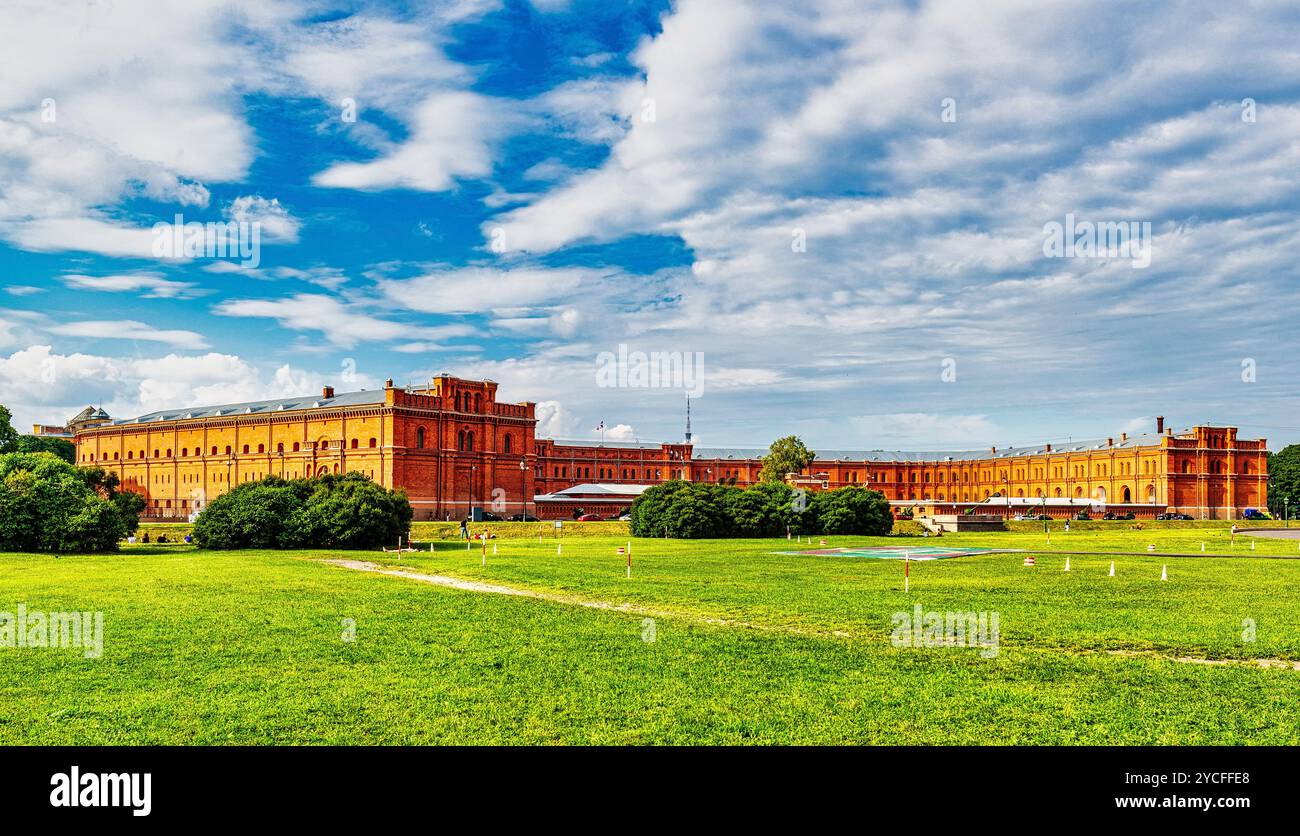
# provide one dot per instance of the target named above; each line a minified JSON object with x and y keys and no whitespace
{"x":769,"y":509}
{"x":343,"y":512}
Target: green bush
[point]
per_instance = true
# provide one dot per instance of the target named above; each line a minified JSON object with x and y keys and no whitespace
{"x":338,"y":512}
{"x":49,"y":505}
{"x":852,"y":510}
{"x":693,"y":510}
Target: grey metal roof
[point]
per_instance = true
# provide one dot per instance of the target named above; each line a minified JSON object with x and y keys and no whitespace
{"x":374,"y":396}
{"x":603,"y":488}
{"x":1133,"y":441}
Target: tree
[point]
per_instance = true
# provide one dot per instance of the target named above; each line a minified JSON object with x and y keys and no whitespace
{"x":60,"y":447}
{"x":8,"y":435}
{"x":852,"y":510}
{"x":49,"y":505}
{"x":785,"y":455}
{"x":1284,"y":480}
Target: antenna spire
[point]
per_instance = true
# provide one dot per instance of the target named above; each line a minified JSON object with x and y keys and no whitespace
{"x":688,"y":418}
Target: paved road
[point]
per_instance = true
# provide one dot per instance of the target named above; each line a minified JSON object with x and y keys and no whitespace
{"x":1280,"y":534}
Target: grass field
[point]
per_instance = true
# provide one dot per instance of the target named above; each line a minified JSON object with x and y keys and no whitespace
{"x":749,"y":646}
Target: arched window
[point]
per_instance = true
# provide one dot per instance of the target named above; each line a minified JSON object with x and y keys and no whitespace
{"x":460,"y":440}
{"x":295,"y":447}
{"x":373,"y":443}
{"x":458,"y":401}
{"x":478,"y":404}
{"x":419,"y":437}
{"x":507,"y":444}
{"x":1128,"y":496}
{"x":261,"y":448}
{"x":185,"y":451}
{"x":279,"y":448}
{"x":469,"y":441}
{"x":355,"y":443}
{"x":245,"y":448}
{"x":169,"y":452}
{"x":227,"y":449}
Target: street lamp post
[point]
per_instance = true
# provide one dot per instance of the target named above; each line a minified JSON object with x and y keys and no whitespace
{"x":523,"y":486}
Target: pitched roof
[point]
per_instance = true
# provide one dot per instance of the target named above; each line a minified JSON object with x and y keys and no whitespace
{"x":374,"y":396}
{"x":1133,"y":441}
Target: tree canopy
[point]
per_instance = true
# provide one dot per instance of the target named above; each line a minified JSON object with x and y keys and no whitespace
{"x":49,"y":505}
{"x":785,"y":455}
{"x":346,"y":511}
{"x":1284,"y":479}
{"x":695,"y":510}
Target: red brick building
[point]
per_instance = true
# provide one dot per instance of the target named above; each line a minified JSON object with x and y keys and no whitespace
{"x":453,"y":446}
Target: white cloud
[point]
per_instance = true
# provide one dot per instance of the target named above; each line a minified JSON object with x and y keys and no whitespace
{"x":449,"y":139}
{"x":149,"y":285}
{"x":479,"y":289}
{"x":43,"y":386}
{"x":127,"y":329}
{"x":341,"y":323}
{"x":276,"y":222}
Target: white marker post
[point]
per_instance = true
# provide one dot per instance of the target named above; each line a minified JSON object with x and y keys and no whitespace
{"x":1164,"y":572}
{"x":1067,"y":563}
{"x":906,"y":574}
{"x":559,"y":549}
{"x":1112,"y":568}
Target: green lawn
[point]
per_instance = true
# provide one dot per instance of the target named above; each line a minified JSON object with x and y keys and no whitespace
{"x":204,"y":647}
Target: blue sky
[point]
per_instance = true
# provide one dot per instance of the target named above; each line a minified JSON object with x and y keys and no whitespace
{"x":840,"y":209}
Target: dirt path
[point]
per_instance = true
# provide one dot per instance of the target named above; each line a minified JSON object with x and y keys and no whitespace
{"x":651,"y":612}
{"x":559,"y":598}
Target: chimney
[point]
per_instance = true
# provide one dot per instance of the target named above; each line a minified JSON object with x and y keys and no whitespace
{"x":327,"y":392}
{"x":995,"y":451}
{"x":1049,"y":448}
{"x":1160,"y":424}
{"x":388,"y":384}
{"x":1123,"y":436}
{"x":1110,"y":442}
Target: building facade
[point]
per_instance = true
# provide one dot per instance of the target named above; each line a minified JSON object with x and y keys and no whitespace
{"x":453,"y":447}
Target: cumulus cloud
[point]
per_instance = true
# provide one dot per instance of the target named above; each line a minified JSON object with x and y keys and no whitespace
{"x":45,"y":386}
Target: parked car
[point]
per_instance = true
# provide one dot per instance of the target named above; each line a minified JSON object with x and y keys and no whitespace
{"x":625,"y":518}
{"x":522,"y":518}
{"x":1038,"y":517}
{"x":1173,"y":516}
{"x":589,"y":518}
